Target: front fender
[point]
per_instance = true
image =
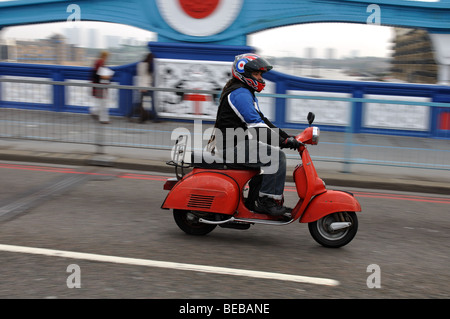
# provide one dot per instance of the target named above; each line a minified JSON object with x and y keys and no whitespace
{"x":330,"y":202}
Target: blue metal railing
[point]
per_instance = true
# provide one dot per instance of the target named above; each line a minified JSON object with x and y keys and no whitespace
{"x":123,"y":76}
{"x":438,"y":104}
{"x":27,"y":122}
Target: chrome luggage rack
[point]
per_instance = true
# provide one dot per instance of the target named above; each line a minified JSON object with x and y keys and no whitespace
{"x":179,"y":153}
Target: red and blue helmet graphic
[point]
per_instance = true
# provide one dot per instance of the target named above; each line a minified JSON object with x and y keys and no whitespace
{"x":245,"y":64}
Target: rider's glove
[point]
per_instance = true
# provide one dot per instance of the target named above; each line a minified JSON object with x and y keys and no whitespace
{"x":291,"y":143}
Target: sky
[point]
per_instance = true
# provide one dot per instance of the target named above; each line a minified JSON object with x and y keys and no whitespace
{"x":346,"y":39}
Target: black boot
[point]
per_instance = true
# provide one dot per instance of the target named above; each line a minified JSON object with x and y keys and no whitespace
{"x":269,"y":206}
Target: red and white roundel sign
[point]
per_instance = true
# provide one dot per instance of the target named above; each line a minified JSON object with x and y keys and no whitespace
{"x":199,"y":17}
{"x":199,"y":9}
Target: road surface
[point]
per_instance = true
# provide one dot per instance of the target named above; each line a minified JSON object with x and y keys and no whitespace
{"x":98,"y":232}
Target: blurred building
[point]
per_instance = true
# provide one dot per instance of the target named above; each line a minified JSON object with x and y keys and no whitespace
{"x":413,"y":58}
{"x":310,"y":53}
{"x":93,"y":39}
{"x":330,"y":53}
{"x":6,"y":50}
{"x":53,"y":50}
{"x":125,"y":54}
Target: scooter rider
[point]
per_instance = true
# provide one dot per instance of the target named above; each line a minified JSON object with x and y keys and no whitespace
{"x":239,"y":109}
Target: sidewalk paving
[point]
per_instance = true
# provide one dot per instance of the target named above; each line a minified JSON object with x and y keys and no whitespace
{"x":361,"y":176}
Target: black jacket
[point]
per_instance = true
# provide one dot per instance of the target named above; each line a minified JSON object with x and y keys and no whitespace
{"x":228,"y":118}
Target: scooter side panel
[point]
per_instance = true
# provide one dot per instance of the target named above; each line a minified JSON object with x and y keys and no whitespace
{"x":330,"y":202}
{"x":207,"y":191}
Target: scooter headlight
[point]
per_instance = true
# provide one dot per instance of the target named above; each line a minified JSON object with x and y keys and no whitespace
{"x":315,"y":135}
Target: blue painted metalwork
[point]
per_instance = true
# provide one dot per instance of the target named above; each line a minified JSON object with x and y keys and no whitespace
{"x":123,"y":76}
{"x":253,"y":16}
{"x":439,"y":96}
{"x":196,"y":51}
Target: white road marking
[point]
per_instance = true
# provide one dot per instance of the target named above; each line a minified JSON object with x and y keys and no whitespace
{"x":169,"y":265}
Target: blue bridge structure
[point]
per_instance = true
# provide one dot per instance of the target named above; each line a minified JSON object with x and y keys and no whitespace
{"x":215,"y":31}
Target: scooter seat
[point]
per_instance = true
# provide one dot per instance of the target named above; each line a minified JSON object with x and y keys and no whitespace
{"x":209,"y":161}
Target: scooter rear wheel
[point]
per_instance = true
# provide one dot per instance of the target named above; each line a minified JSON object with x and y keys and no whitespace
{"x":188,"y":222}
{"x":322,"y":233}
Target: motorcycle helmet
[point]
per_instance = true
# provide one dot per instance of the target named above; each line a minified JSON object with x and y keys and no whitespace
{"x":245,"y":64}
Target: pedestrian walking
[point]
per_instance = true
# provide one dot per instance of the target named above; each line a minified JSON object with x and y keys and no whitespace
{"x":101,"y":75}
{"x":145,"y":78}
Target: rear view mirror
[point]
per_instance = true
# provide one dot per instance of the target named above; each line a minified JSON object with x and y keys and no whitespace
{"x":311,"y":117}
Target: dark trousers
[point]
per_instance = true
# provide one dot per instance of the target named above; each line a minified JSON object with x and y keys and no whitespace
{"x":139,"y":110}
{"x":272,"y":160}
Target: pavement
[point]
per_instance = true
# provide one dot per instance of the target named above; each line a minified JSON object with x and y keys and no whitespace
{"x":435,"y":181}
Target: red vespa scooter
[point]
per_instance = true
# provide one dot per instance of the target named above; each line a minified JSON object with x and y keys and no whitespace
{"x":214,"y":195}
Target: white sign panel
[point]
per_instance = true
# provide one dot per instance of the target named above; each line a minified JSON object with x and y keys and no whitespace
{"x":196,"y":75}
{"x":327,"y":112}
{"x":27,"y":92}
{"x":82,"y":95}
{"x":396,"y":116}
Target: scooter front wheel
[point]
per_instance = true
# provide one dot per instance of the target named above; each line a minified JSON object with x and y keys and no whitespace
{"x":334,"y":230}
{"x":188,"y":221}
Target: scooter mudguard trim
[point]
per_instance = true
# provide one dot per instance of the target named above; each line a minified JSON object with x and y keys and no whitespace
{"x":206,"y":191}
{"x":330,"y":202}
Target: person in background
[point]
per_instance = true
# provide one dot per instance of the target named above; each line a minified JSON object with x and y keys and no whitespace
{"x":101,"y":74}
{"x":145,"y":78}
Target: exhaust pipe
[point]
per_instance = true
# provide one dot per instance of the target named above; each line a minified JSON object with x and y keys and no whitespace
{"x":219,"y":222}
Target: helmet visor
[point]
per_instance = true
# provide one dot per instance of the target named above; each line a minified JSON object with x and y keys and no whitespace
{"x":258,"y":64}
